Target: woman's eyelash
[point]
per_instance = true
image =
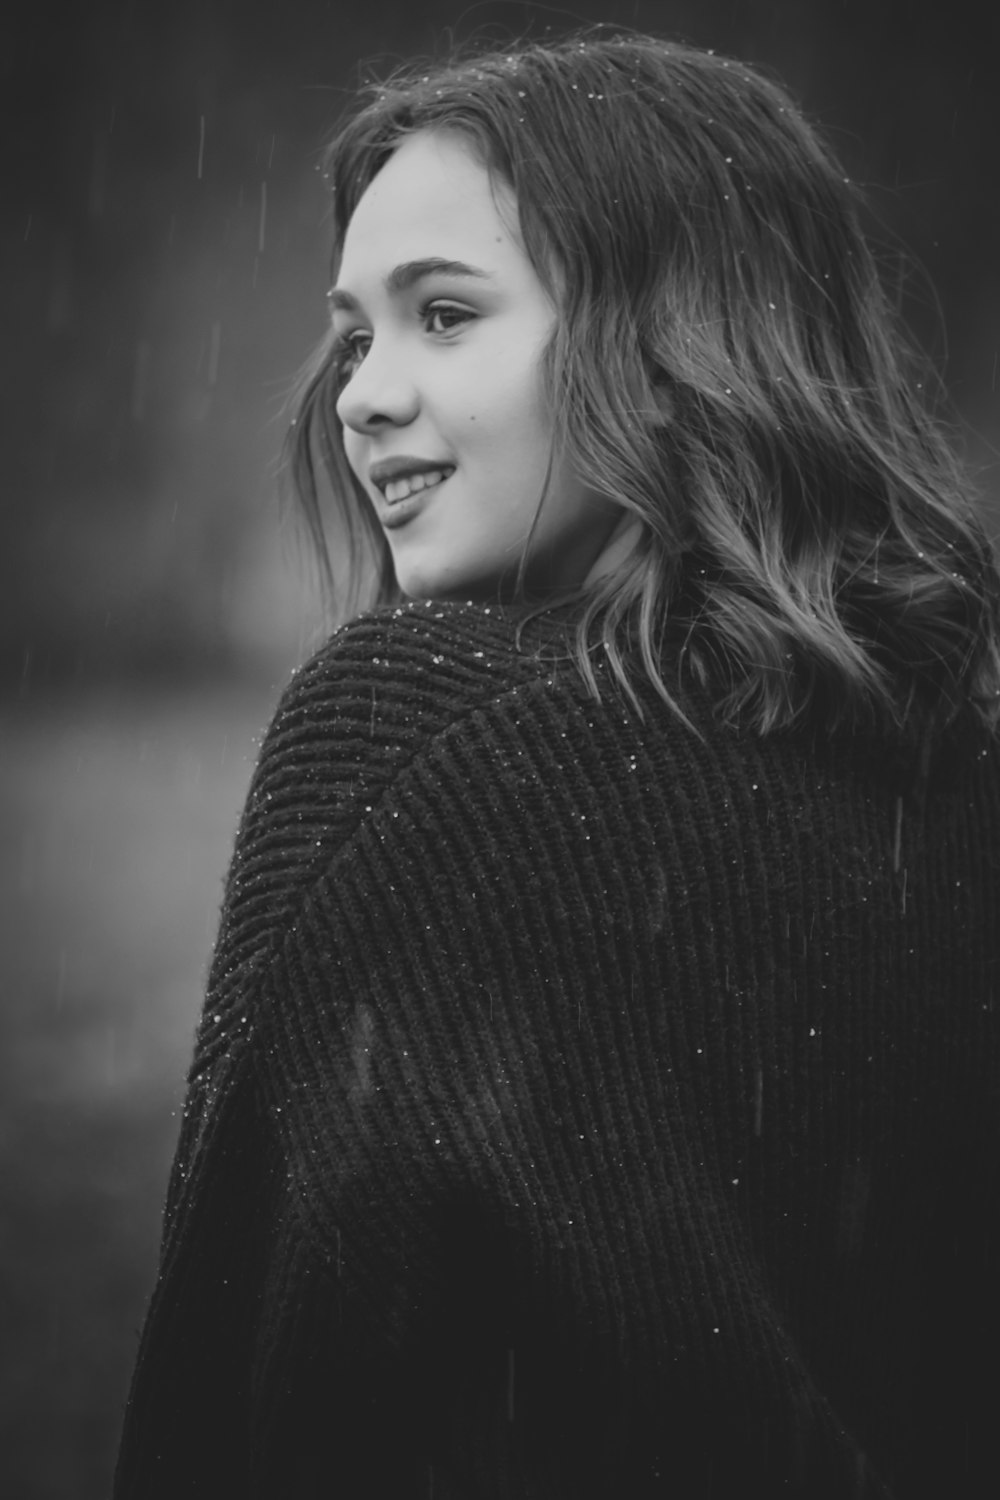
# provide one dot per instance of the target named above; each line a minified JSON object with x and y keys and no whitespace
{"x":438,"y":309}
{"x":348,"y":343}
{"x":345,"y":356}
{"x":349,"y":349}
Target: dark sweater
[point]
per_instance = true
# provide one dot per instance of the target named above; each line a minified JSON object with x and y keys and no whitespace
{"x":582,"y":1107}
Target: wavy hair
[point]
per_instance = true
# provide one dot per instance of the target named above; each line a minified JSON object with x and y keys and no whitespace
{"x":725,"y":365}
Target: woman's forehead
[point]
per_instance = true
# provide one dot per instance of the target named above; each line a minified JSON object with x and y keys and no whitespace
{"x":433,"y":198}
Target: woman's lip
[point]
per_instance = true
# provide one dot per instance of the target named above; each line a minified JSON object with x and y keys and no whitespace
{"x":403,"y":464}
{"x":398,"y":512}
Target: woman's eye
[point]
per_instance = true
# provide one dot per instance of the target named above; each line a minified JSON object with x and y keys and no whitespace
{"x":358,"y":345}
{"x":438,"y":318}
{"x":443,"y":317}
{"x":350,"y":350}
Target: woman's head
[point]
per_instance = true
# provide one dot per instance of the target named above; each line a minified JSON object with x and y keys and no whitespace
{"x":705,"y":366}
{"x":442,"y":322}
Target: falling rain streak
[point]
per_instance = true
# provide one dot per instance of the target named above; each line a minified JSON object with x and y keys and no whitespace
{"x":897,"y":853}
{"x":60,"y":981}
{"x":97,"y":194}
{"x":263,"y":218}
{"x":140,"y":380}
{"x":214,"y":346}
{"x":897,"y":841}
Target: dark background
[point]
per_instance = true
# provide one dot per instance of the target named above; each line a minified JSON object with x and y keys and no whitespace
{"x":163,"y":267}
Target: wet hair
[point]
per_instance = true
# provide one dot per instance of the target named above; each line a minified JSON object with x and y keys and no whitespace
{"x":725,"y":365}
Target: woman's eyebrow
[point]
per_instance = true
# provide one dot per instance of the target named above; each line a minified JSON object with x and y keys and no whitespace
{"x":404,"y":276}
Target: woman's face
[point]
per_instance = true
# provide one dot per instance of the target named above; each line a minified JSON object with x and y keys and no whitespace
{"x":445,"y":421}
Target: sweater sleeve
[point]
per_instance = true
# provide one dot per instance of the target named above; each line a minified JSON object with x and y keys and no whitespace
{"x":297,"y":1261}
{"x":352,"y":720}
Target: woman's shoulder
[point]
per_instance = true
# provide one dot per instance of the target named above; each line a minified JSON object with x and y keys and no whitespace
{"x":383,"y":693}
{"x":477,"y":640}
{"x":374,"y":699}
{"x":409,"y":670}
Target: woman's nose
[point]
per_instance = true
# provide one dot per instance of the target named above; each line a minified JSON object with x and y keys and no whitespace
{"x":378,"y":394}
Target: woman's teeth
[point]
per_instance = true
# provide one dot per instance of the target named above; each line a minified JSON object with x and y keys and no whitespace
{"x":398,"y":489}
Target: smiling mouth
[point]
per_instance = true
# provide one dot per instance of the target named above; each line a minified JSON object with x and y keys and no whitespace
{"x":412,"y":484}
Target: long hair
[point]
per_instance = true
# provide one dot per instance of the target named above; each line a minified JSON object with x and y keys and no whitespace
{"x":724,"y":365}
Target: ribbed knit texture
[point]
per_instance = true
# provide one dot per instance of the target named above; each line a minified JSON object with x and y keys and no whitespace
{"x":582,"y":1107}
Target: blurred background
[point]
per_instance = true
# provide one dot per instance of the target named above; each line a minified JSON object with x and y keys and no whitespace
{"x":164,"y":263}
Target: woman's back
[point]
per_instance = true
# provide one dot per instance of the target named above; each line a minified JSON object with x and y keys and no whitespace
{"x":583,"y":1105}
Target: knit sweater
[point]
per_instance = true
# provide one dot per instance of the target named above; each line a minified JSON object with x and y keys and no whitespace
{"x":584,"y":1105}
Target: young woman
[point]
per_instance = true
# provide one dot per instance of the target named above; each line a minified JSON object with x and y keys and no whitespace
{"x":596,"y":1093}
